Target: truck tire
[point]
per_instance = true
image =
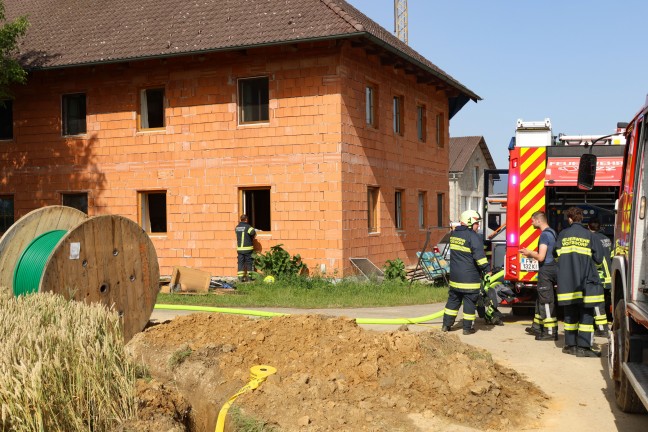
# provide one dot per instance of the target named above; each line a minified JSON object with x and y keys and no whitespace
{"x":625,"y":396}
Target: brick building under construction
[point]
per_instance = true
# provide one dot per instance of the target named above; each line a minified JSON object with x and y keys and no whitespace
{"x":329,"y":132}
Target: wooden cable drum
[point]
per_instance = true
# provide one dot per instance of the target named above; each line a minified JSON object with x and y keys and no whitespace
{"x":102,"y":259}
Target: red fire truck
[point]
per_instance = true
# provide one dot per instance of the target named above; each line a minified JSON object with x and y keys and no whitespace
{"x":542,"y":176}
{"x":628,"y":348}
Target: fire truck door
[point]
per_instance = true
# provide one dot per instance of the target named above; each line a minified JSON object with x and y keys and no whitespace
{"x":640,"y":260}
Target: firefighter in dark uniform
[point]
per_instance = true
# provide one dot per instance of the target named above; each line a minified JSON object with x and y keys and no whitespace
{"x":245,"y":234}
{"x":601,"y":311}
{"x":579,"y":288}
{"x":467,"y":265}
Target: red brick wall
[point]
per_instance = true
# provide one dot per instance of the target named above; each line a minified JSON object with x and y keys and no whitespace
{"x":382,"y":158}
{"x":202,"y":157}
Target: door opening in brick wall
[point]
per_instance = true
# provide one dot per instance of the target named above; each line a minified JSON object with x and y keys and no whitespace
{"x":73,"y":114}
{"x":6,"y":212}
{"x":254,"y":97}
{"x":6,"y":119}
{"x":78,"y":200}
{"x":153,"y":211}
{"x":255,"y":203}
{"x":151,"y":108}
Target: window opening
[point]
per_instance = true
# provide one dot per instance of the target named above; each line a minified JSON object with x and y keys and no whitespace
{"x":74,"y":114}
{"x":253,"y":100}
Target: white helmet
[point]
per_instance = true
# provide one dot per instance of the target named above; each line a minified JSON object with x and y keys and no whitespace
{"x":470,"y":217}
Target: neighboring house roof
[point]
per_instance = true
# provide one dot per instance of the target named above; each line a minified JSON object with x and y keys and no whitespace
{"x":66,"y":33}
{"x":462,"y":148}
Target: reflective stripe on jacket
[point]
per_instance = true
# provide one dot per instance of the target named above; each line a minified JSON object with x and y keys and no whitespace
{"x":604,"y":267}
{"x":467,"y":259}
{"x":244,"y":237}
{"x":578,"y":253}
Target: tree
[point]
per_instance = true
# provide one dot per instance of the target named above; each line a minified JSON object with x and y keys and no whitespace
{"x":10,"y":69}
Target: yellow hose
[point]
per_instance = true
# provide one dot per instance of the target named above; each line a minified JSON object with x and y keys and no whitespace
{"x":385,"y":321}
{"x":258,"y":375}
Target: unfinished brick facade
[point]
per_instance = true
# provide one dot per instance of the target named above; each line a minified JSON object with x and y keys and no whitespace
{"x":316,"y":153}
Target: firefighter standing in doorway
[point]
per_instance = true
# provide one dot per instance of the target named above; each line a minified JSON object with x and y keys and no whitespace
{"x":545,"y":323}
{"x":579,"y":288}
{"x":601,"y":311}
{"x":468,"y":263}
{"x":245,"y":234}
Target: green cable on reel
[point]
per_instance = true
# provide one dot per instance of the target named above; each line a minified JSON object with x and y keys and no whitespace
{"x":30,"y":265}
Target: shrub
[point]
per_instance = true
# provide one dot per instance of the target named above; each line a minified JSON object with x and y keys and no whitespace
{"x":395,"y":270}
{"x":278,"y":262}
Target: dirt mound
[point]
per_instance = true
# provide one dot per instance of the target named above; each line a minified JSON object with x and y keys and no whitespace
{"x":334,"y":375}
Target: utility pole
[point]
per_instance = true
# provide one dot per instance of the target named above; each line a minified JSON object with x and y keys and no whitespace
{"x":400,"y":19}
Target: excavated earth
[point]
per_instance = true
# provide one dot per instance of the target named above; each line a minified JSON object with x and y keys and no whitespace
{"x":332,"y":375}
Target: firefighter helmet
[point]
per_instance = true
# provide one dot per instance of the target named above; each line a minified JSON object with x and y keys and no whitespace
{"x":470,"y":217}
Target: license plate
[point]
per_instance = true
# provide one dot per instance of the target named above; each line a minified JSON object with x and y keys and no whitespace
{"x":529,"y":264}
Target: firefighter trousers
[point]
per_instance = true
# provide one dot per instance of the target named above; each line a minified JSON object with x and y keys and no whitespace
{"x":579,"y":325}
{"x":245,"y":264}
{"x":455,"y":297}
{"x":545,"y":319}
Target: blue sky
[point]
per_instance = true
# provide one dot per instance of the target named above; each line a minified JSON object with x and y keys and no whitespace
{"x":581,"y":63}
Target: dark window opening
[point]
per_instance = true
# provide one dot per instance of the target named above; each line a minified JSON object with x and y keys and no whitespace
{"x":74,"y":114}
{"x":254,"y":97}
{"x":152,"y":108}
{"x":6,"y":119}
{"x":6,"y":212}
{"x":153,"y":212}
{"x":256,"y":205}
{"x":78,"y":201}
{"x":440,"y":198}
{"x":420,"y":123}
{"x":398,"y":198}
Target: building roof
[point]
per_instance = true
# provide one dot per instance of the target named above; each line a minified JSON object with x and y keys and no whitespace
{"x":66,"y":33}
{"x":462,"y":148}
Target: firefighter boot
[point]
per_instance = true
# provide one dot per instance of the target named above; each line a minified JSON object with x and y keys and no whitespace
{"x":569,"y":349}
{"x":469,"y":331}
{"x":445,"y":328}
{"x":587,"y":352}
{"x":546,"y":337}
{"x":533,"y":331}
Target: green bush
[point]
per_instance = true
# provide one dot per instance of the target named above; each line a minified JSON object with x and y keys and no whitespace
{"x":395,"y":270}
{"x":278,"y":262}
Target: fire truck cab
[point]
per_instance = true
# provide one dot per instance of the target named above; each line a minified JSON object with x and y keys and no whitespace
{"x":628,"y":347}
{"x":543,"y":172}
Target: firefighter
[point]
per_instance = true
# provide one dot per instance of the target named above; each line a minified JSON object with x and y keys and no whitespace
{"x":545,"y":323}
{"x":467,"y":265}
{"x":245,"y":234}
{"x":579,"y":288}
{"x":601,"y":311}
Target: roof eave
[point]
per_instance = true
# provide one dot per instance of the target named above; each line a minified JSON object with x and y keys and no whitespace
{"x":190,"y":53}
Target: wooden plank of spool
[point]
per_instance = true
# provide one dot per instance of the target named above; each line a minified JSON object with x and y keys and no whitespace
{"x":26,"y":229}
{"x":117,"y":266}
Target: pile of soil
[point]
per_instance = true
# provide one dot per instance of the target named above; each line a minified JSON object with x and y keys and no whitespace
{"x":332,"y":375}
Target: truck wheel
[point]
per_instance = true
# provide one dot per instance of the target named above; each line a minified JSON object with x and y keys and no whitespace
{"x":625,"y":396}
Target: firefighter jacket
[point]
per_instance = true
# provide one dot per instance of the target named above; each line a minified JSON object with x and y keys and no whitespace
{"x":578,"y":252}
{"x":604,"y":267}
{"x":467,"y":260}
{"x":244,"y":237}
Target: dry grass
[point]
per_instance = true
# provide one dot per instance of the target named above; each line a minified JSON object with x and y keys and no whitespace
{"x":62,"y":366}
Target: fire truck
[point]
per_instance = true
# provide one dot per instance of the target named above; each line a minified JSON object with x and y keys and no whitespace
{"x":628,"y":348}
{"x":542,"y":176}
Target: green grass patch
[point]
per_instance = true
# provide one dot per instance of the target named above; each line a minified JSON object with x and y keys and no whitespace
{"x":317,"y":293}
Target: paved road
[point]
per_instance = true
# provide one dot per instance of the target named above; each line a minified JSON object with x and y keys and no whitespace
{"x":582,"y":399}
